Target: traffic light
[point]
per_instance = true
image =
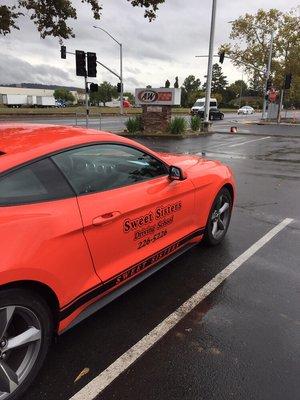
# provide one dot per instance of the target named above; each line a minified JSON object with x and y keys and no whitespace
{"x":92,"y":64}
{"x":288,"y":81}
{"x":63,"y":52}
{"x":119,"y":87}
{"x":80,"y":63}
{"x":269,"y":84}
{"x":94,"y":87}
{"x":221,"y":57}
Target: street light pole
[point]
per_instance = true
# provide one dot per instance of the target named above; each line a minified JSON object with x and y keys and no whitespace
{"x":210,"y":61}
{"x":121,"y":65}
{"x":268,"y":75}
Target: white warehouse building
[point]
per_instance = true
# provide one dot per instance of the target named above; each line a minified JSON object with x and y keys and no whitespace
{"x":30,"y":96}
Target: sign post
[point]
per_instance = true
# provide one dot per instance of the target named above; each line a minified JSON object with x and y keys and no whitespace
{"x":157,"y":107}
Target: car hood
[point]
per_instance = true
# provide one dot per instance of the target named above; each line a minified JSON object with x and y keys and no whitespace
{"x":184,"y":161}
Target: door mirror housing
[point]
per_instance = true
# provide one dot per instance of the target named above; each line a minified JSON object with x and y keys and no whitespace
{"x":176,"y":174}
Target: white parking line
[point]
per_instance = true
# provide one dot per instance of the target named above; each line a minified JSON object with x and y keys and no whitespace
{"x":100,"y":382}
{"x":250,"y":141}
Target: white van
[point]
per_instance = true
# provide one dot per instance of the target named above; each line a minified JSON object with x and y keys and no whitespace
{"x":200,"y":103}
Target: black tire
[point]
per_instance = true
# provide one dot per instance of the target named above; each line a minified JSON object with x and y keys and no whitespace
{"x":25,"y":300}
{"x":209,"y":238}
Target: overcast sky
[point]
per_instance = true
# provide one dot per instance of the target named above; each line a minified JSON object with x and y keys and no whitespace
{"x":153,"y":52}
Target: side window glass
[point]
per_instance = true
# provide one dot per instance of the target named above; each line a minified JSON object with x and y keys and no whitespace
{"x":107,"y":166}
{"x":39,"y":181}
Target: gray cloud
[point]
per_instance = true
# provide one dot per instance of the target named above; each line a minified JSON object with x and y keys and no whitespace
{"x":153,"y":51}
{"x":22,"y":71}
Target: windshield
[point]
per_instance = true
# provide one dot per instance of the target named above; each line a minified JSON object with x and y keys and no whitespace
{"x":199,"y":104}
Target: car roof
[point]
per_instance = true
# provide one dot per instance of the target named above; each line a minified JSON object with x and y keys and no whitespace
{"x":20,"y":143}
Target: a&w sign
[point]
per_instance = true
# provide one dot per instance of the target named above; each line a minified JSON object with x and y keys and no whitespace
{"x":161,"y":96}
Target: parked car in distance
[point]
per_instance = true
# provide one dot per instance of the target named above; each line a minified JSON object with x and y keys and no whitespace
{"x":60,"y":103}
{"x":84,"y":216}
{"x":200,"y":104}
{"x":246,"y":110}
{"x":116,"y":103}
{"x":214,"y":113}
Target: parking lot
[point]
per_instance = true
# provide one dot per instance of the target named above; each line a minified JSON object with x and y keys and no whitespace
{"x":241,"y":338}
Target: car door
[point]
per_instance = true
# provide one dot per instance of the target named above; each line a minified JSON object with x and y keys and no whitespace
{"x":130,"y":208}
{"x":41,"y":231}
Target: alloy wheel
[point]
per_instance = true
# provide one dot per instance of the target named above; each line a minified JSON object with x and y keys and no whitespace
{"x":220,"y":217}
{"x":20,"y":342}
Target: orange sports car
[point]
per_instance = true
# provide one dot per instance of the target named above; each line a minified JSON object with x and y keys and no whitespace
{"x":84,"y":216}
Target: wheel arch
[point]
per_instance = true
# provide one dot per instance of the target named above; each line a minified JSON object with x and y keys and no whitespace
{"x":44,"y":291}
{"x":231,"y":190}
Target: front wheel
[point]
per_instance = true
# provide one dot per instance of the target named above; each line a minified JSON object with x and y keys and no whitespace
{"x":219,"y":218}
{"x":25,"y":335}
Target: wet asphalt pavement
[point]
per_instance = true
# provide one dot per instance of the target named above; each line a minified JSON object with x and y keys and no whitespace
{"x":242,"y":341}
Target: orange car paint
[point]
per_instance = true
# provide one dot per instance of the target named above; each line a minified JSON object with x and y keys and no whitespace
{"x":67,"y":244}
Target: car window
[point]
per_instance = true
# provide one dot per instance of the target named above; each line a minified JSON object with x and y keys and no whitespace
{"x":107,"y":166}
{"x":213,"y":104}
{"x":198,"y":104}
{"x":39,"y":181}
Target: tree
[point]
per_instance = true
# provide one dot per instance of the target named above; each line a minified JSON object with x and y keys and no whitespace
{"x":234,"y":91}
{"x":167,"y":83}
{"x":218,"y":80}
{"x":51,"y":17}
{"x":106,"y":92}
{"x":190,"y":91}
{"x":64,"y":94}
{"x":250,"y":41}
{"x":176,"y":83}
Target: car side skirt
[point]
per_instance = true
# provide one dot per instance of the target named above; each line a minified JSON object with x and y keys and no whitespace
{"x":126,"y":280}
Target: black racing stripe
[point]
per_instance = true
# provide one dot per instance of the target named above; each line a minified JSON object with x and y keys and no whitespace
{"x":125,"y":275}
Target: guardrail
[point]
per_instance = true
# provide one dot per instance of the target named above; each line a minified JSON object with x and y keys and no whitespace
{"x":82,"y":116}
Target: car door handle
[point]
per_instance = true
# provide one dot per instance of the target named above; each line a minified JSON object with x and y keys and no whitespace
{"x":106,"y":218}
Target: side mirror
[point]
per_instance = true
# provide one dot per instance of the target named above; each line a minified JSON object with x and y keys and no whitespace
{"x":176,"y":174}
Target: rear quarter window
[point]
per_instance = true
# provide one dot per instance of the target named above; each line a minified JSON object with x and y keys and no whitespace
{"x":39,"y":181}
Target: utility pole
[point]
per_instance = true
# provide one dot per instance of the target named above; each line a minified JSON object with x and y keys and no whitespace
{"x":280,"y":106}
{"x":210,"y":61}
{"x":121,"y":78}
{"x":268,"y":75}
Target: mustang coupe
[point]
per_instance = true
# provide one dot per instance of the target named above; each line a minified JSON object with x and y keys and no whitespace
{"x":84,"y":216}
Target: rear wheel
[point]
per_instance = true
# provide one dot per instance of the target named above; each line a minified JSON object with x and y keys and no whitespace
{"x":25,"y":335}
{"x":219,"y":218}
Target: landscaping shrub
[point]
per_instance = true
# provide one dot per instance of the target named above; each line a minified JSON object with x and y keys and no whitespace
{"x":177,"y":126}
{"x":133,"y":124}
{"x":195,"y":123}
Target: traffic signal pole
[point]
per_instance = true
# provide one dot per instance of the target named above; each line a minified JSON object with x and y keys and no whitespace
{"x":268,"y":75}
{"x":210,"y":62}
{"x":86,"y":103}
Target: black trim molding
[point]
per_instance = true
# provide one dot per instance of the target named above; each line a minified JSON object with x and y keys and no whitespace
{"x":128,"y":274}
